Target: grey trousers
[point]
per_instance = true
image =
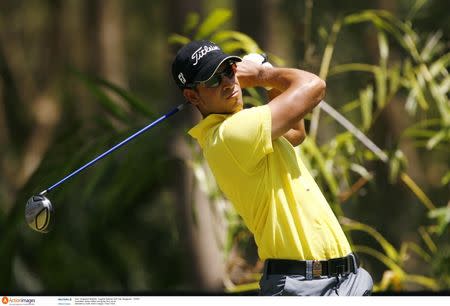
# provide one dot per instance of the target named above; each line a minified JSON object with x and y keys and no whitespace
{"x":359,"y":284}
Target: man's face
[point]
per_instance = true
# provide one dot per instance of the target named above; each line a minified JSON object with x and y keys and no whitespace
{"x":221,"y":95}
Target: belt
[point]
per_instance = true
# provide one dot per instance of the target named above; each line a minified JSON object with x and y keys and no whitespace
{"x":313,"y":268}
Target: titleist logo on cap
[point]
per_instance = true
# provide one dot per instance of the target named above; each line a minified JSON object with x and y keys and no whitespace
{"x":202,"y":51}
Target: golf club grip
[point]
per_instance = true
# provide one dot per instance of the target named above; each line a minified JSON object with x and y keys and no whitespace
{"x":117,"y":146}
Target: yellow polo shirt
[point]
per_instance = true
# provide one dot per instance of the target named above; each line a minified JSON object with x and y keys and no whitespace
{"x":270,"y":187}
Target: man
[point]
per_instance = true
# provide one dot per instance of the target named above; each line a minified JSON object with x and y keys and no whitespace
{"x":251,"y":154}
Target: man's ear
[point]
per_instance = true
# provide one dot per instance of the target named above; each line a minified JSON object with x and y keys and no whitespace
{"x":192,"y":96}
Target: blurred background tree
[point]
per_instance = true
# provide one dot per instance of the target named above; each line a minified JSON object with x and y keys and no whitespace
{"x":78,"y":76}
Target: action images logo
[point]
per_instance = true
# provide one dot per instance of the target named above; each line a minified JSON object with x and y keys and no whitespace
{"x":18,"y":301}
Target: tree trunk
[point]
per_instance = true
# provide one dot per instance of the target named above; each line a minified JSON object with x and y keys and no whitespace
{"x":37,"y":90}
{"x":109,"y":43}
{"x":196,"y":215}
{"x":264,"y":22}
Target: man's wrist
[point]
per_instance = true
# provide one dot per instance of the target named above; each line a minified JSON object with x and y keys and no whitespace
{"x":264,"y":76}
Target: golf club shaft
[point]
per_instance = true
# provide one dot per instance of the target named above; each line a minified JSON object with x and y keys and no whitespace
{"x":120,"y":144}
{"x":353,"y":130}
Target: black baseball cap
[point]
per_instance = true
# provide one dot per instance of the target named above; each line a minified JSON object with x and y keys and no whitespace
{"x":197,"y":61}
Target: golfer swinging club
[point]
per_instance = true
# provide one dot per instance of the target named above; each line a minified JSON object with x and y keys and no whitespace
{"x":251,"y":154}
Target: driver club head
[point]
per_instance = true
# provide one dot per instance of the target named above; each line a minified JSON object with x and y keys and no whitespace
{"x":39,"y":213}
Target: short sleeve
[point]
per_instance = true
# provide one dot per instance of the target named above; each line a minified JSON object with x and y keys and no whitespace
{"x":247,"y":136}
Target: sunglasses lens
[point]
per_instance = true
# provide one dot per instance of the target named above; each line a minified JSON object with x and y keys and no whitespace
{"x":229,"y":71}
{"x":216,"y":79}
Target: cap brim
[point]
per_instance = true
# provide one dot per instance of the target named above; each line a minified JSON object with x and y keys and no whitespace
{"x":210,"y":69}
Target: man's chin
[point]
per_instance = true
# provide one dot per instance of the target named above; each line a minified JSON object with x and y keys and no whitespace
{"x":238,"y":108}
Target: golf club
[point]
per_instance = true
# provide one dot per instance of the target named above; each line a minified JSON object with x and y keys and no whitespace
{"x":39,"y":210}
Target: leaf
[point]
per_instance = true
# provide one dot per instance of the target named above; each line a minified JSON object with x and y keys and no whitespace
{"x":394,"y":80}
{"x":361,"y":171}
{"x":233,"y":40}
{"x":444,"y":87}
{"x":442,"y":216}
{"x":430,"y":46}
{"x":323,"y":33}
{"x":445,"y":179}
{"x":213,"y":22}
{"x":363,"y":16}
{"x":424,"y":281}
{"x":418,"y":4}
{"x":353,"y":67}
{"x":397,"y":165}
{"x":419,"y":251}
{"x":126,"y":95}
{"x":420,"y":133}
{"x":380,"y":81}
{"x":434,"y":141}
{"x":252,"y":101}
{"x":440,"y":65}
{"x":441,"y":100}
{"x":348,"y":107}
{"x":427,"y":239}
{"x":414,"y":82}
{"x":101,"y":96}
{"x":387,"y":261}
{"x":390,"y":251}
{"x":178,"y":39}
{"x":192,"y":21}
{"x":386,"y":21}
{"x":417,"y":191}
{"x":383,"y":46}
{"x":134,"y":102}
{"x":275,"y":60}
{"x":244,"y":287}
{"x":411,"y":104}
{"x":366,"y":98}
{"x":328,"y":53}
{"x":253,"y":92}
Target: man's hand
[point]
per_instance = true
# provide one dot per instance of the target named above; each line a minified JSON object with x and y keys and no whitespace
{"x":249,"y":73}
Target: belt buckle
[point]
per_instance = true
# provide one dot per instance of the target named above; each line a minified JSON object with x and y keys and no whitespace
{"x":316,"y":269}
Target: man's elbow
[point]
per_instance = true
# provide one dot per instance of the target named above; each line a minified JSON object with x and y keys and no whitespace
{"x":295,"y":137}
{"x":299,"y":140}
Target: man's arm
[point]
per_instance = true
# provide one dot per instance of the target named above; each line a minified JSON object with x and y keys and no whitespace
{"x":297,"y":134}
{"x":300,"y":91}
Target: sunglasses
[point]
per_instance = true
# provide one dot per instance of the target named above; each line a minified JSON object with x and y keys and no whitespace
{"x":217,"y":78}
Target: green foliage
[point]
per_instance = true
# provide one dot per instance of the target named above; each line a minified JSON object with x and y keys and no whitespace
{"x":214,"y":20}
{"x":442,"y":216}
{"x":394,"y":260}
{"x":100,"y":88}
{"x":423,"y":74}
{"x":211,"y":29}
